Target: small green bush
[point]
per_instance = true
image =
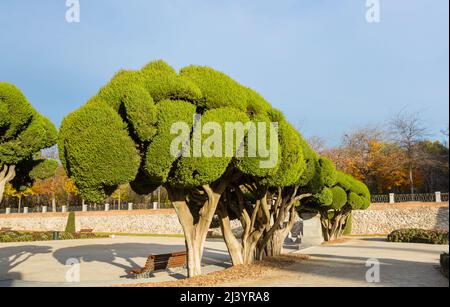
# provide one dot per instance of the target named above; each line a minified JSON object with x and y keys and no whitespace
{"x":444,"y":264}
{"x":419,"y":236}
{"x":70,"y":227}
{"x":26,"y":236}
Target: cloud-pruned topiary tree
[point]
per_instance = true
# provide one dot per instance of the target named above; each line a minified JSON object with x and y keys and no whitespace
{"x":348,"y":194}
{"x":335,"y":196}
{"x":124,"y":135}
{"x":23,"y":133}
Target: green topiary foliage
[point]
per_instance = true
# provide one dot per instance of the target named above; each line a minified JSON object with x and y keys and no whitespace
{"x":141,"y":112}
{"x":324,"y":198}
{"x":311,"y":163}
{"x":327,"y":172}
{"x":325,"y":175}
{"x":37,"y":135}
{"x":292,"y":163}
{"x":196,"y":171}
{"x":114,"y":91}
{"x":159,"y":159}
{"x":23,"y":133}
{"x":358,"y":192}
{"x":70,"y":226}
{"x":44,"y":169}
{"x":162,"y":82}
{"x":251,"y":165}
{"x":15,"y":111}
{"x":256,"y":104}
{"x":218,"y":89}
{"x":339,"y":198}
{"x":123,"y":134}
{"x":355,"y":200}
{"x":97,"y":151}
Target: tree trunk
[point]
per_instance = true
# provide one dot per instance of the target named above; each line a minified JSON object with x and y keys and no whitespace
{"x":195,"y":232}
{"x":259,"y":220}
{"x":333,"y":228}
{"x":325,"y":228}
{"x":271,"y":245}
{"x":274,"y":246}
{"x":411,"y":178}
{"x":53,"y":204}
{"x":244,"y":251}
{"x":233,"y":245}
{"x":6,"y":175}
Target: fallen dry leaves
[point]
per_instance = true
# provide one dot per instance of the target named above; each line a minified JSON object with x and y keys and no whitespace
{"x":253,"y":271}
{"x":335,"y":242}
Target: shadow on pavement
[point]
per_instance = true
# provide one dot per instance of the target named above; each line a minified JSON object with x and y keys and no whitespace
{"x":374,"y":239}
{"x":13,"y":256}
{"x":388,"y":248}
{"x":393,"y":273}
{"x":121,"y":255}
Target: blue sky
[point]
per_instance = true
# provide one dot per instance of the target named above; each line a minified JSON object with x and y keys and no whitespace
{"x":317,"y":60}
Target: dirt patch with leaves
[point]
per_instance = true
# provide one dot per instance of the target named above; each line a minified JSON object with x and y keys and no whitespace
{"x":336,"y":242}
{"x":253,"y":271}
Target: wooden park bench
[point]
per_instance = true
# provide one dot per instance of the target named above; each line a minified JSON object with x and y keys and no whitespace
{"x":159,"y":262}
{"x":5,"y":229}
{"x":86,"y":231}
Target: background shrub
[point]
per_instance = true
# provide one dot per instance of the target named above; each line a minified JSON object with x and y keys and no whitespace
{"x":28,"y":236}
{"x":419,"y":236}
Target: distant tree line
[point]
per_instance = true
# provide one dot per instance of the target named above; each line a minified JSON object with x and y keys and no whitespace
{"x":398,"y":157}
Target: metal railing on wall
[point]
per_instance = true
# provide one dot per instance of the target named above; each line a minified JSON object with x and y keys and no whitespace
{"x":86,"y":208}
{"x":392,"y":198}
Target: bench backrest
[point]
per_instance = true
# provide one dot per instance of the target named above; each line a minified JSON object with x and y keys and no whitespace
{"x":169,"y":261}
{"x":86,"y":230}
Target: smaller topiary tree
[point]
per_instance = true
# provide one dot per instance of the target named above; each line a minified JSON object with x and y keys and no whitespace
{"x":335,"y":196}
{"x":349,"y":194}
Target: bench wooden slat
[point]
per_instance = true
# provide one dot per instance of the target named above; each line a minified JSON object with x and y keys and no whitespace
{"x":86,"y":230}
{"x":161,"y":262}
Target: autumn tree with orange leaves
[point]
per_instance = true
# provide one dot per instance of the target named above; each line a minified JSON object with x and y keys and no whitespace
{"x":385,"y":166}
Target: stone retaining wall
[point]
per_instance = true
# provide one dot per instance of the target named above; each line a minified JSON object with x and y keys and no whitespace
{"x":379,"y":219}
{"x":385,"y":218}
{"x":137,"y":221}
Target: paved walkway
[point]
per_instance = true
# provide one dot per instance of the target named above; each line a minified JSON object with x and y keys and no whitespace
{"x":104,"y":262}
{"x":401,"y":265}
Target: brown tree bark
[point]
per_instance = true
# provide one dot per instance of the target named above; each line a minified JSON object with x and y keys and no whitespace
{"x":271,"y":244}
{"x":6,"y":175}
{"x":253,"y":220}
{"x":196,"y":228}
{"x":334,"y":228}
{"x":233,"y":244}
